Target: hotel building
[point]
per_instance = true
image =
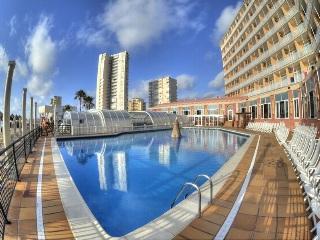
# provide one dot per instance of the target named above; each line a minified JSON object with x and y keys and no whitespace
{"x":271,"y":65}
{"x":136,"y":104}
{"x":112,"y":81}
{"x":163,"y":90}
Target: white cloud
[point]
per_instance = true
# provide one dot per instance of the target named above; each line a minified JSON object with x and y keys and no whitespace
{"x":1,"y":104}
{"x":185,"y":82}
{"x":141,"y":90}
{"x":15,"y":105}
{"x":41,"y":50}
{"x":218,"y":82}
{"x":21,"y":69}
{"x":92,"y":37}
{"x":39,"y":86}
{"x":224,"y":20}
{"x":138,"y":23}
{"x":3,"y":59}
{"x":12,"y":25}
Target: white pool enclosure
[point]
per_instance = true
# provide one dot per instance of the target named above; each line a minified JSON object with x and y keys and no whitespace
{"x":109,"y":121}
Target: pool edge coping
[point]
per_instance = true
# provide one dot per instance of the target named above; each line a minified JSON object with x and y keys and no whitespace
{"x":168,"y":225}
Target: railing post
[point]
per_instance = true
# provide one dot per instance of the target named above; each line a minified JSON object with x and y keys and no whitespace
{"x":15,"y":161}
{"x":4,"y":214}
{"x":25,"y":149}
{"x":30,"y":144}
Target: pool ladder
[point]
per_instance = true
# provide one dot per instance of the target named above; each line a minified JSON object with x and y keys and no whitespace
{"x":196,"y":187}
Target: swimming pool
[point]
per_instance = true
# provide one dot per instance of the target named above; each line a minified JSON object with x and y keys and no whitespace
{"x":129,"y":180}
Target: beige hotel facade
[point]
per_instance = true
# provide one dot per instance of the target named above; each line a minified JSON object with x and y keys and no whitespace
{"x":271,"y":65}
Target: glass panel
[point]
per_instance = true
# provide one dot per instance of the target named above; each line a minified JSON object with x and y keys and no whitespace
{"x":295,"y":94}
{"x":282,"y":96}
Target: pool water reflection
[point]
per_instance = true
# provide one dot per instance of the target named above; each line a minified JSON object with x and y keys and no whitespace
{"x":132,"y":179}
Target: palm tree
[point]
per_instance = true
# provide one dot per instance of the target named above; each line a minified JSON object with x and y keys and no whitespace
{"x":88,"y":102}
{"x":66,"y":108}
{"x":80,"y":95}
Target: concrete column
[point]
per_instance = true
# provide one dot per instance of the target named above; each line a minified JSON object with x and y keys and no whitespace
{"x":6,"y":110}
{"x":31,"y":114}
{"x":54,"y":115}
{"x":24,"y":103}
{"x":14,"y":126}
{"x":35,"y":114}
{"x":20,"y":126}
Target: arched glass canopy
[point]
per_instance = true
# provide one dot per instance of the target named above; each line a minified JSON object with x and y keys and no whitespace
{"x":108,"y":121}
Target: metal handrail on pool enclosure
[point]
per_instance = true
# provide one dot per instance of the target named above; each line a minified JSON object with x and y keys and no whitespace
{"x":194,"y":185}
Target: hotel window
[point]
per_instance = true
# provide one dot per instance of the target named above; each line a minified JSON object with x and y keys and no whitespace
{"x":282,"y":105}
{"x":311,"y":98}
{"x":253,"y":109}
{"x":199,"y":110}
{"x":296,"y":109}
{"x":312,"y":105}
{"x":242,"y":107}
{"x":213,"y":109}
{"x":265,"y":108}
{"x":186,"y":111}
{"x":230,"y":115}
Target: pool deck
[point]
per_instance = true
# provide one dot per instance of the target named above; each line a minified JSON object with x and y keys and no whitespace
{"x":23,"y":212}
{"x":272,"y":206}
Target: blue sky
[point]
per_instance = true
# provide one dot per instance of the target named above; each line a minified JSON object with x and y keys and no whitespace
{"x":56,"y":44}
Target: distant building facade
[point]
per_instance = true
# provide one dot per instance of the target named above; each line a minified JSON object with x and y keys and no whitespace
{"x":55,"y":102}
{"x":112,"y":81}
{"x":136,"y":104}
{"x":163,"y":90}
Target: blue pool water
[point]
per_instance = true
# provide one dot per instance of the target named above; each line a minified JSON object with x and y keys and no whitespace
{"x":129,"y":180}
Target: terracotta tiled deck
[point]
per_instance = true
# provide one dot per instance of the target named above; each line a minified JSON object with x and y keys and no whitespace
{"x":22,"y":213}
{"x":272,"y":208}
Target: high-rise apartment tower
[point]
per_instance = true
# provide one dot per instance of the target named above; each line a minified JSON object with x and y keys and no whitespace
{"x":163,"y":90}
{"x":112,"y":81}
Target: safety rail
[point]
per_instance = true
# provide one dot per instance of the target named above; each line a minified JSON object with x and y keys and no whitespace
{"x":12,"y":160}
{"x":68,"y":130}
{"x":194,"y":185}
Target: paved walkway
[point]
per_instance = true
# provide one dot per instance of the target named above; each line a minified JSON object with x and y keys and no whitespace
{"x":272,"y":208}
{"x":22,"y":211}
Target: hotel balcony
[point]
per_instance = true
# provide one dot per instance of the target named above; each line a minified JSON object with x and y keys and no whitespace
{"x":290,"y":37}
{"x":237,"y":25}
{"x":275,"y":86}
{"x":266,"y":18}
{"x":247,"y":24}
{"x":284,"y":20}
{"x":297,"y":56}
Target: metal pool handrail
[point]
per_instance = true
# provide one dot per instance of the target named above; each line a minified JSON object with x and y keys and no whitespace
{"x":12,"y":160}
{"x":194,"y":184}
{"x":181,"y":190}
{"x":210,"y":181}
